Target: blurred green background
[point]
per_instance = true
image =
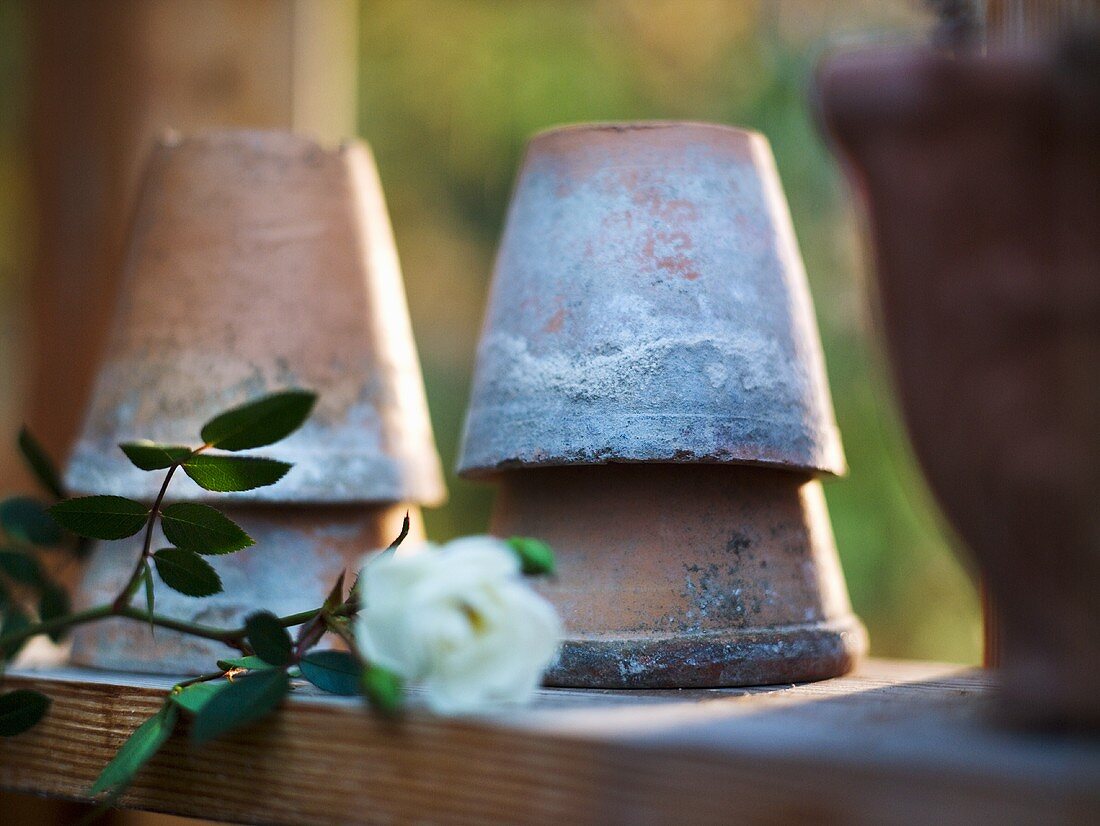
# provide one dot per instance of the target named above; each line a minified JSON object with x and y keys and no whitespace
{"x":449,"y":92}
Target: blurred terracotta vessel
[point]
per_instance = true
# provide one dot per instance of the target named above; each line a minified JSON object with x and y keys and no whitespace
{"x":650,"y":398}
{"x":258,"y":261}
{"x":981,"y":177}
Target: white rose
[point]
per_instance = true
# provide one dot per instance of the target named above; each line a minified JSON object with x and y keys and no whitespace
{"x":460,"y":621}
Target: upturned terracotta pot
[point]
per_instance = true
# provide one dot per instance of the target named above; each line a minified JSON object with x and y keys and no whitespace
{"x":981,"y":180}
{"x":258,"y":261}
{"x":649,"y":307}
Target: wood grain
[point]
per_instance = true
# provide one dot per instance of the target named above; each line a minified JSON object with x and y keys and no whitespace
{"x":894,"y":743}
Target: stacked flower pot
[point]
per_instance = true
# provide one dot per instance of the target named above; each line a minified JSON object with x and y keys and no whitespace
{"x":256,"y":262}
{"x":650,"y":399}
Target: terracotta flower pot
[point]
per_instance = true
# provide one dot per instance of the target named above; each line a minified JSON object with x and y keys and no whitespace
{"x":258,"y":261}
{"x":981,"y":178}
{"x":649,"y":307}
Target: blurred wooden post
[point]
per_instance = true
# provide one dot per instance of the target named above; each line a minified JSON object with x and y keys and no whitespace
{"x":1009,"y":24}
{"x":108,"y":77}
{"x":1014,"y":23}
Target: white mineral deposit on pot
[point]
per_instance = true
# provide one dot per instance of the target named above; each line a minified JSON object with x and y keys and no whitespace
{"x":649,"y":304}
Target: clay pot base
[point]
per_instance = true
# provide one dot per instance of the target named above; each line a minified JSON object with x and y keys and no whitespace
{"x":298,"y":554}
{"x":686,"y":575}
{"x":799,"y":653}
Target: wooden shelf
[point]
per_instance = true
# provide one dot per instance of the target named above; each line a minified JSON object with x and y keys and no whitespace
{"x":896,"y":742}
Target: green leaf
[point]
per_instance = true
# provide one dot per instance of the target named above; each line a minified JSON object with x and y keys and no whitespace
{"x":26,"y":520}
{"x":41,"y":464}
{"x":192,"y":698}
{"x":150,"y":596}
{"x":187,"y":572}
{"x":22,"y":568}
{"x":382,"y":688}
{"x":261,"y":422}
{"x":19,"y":710}
{"x":251,"y":662}
{"x":53,"y":603}
{"x":246,"y":700}
{"x":101,"y":517}
{"x":202,"y":529}
{"x":227,"y":474}
{"x":336,"y":672}
{"x":268,"y":638}
{"x":534,"y":555}
{"x":138,"y":750}
{"x":14,"y":621}
{"x":148,"y":455}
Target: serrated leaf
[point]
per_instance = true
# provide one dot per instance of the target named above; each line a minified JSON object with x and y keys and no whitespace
{"x":202,"y":529}
{"x":246,"y":700}
{"x":261,"y":422}
{"x":101,"y":517}
{"x":268,"y":638}
{"x":19,"y":710}
{"x":535,"y":556}
{"x":14,"y":621}
{"x":53,"y":603}
{"x":40,"y":464}
{"x":137,"y":750}
{"x":251,"y":662}
{"x":187,"y":572}
{"x":382,"y":688}
{"x":192,"y":698}
{"x":336,"y":672}
{"x":229,"y":474}
{"x":147,"y":455}
{"x":21,"y":567}
{"x":26,"y":520}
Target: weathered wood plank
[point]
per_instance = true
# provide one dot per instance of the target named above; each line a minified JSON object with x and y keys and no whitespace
{"x":894,"y":743}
